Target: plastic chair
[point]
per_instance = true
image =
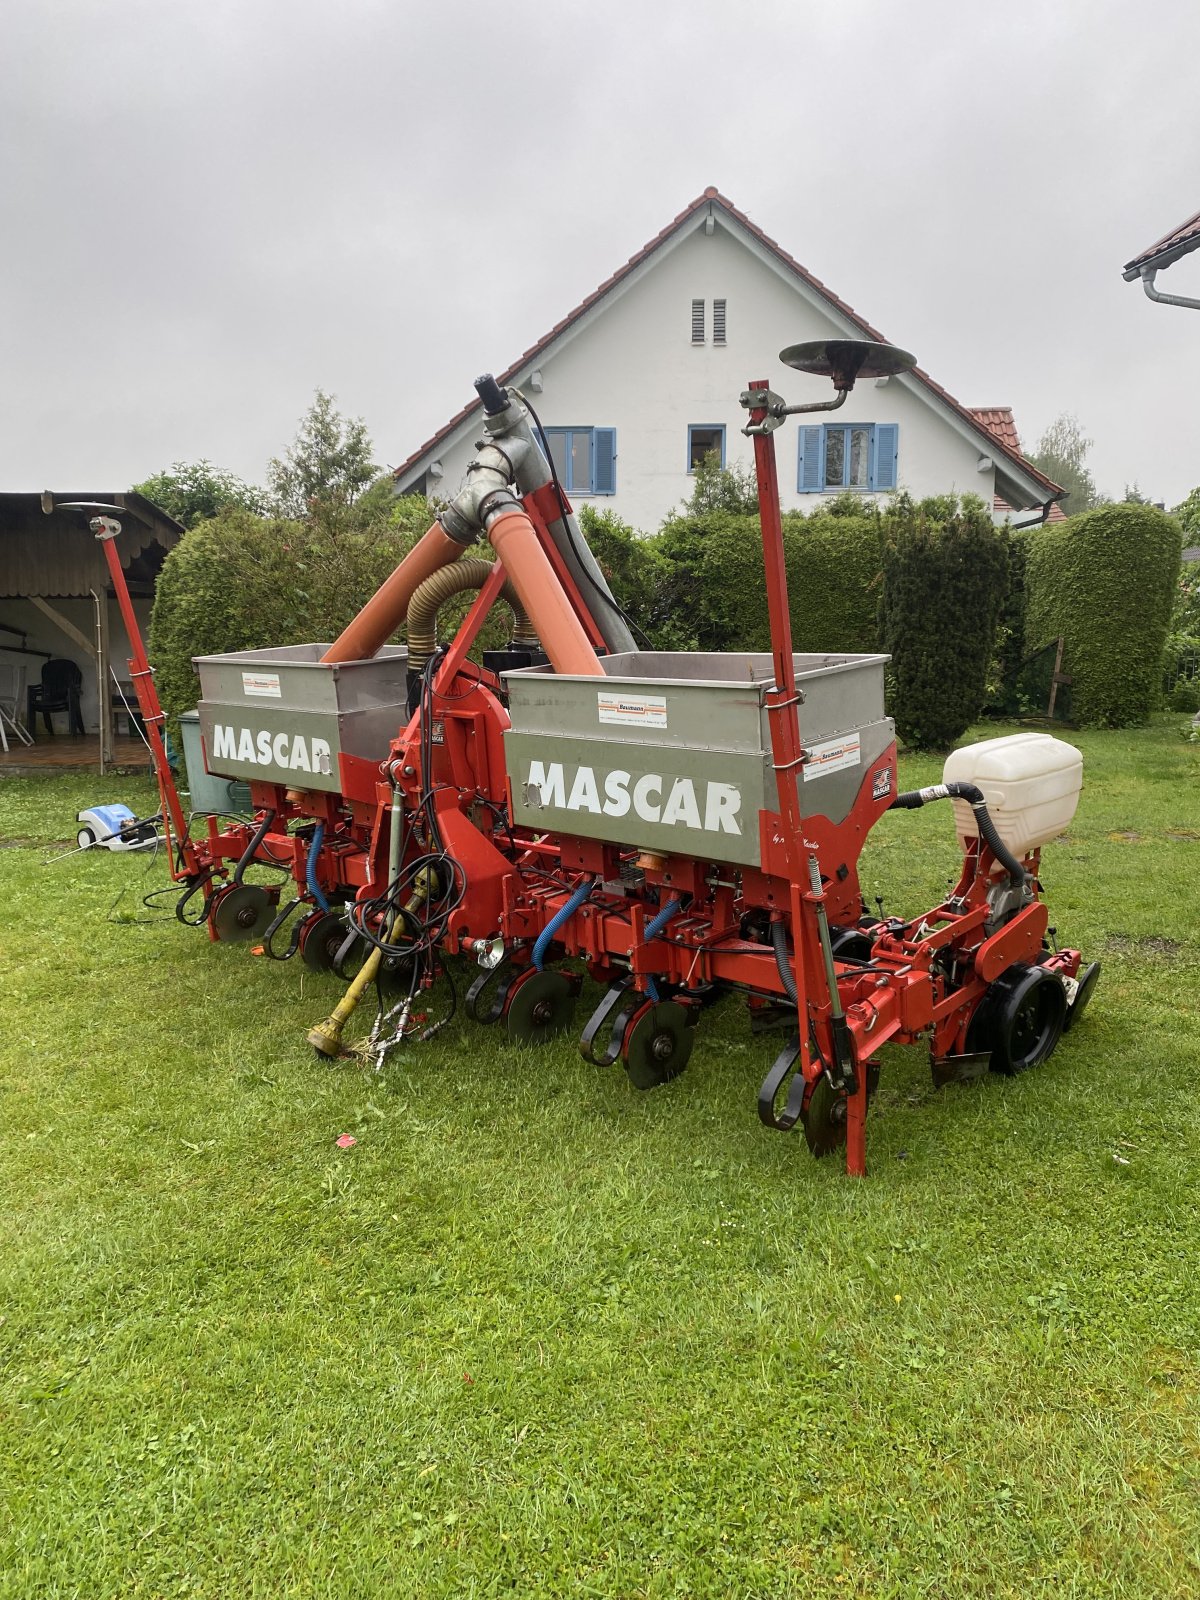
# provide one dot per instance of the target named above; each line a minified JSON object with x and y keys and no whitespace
{"x":58,"y":691}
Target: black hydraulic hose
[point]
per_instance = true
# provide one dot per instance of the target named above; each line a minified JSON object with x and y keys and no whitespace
{"x":783,"y":960}
{"x":914,"y":799}
{"x":260,"y":834}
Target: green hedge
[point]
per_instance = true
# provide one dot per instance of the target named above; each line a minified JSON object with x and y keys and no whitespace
{"x":631,"y":566}
{"x":1105,"y":581}
{"x":242,"y":582}
{"x":708,"y":592}
{"x":945,"y":576}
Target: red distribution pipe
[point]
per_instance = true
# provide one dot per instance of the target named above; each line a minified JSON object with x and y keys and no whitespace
{"x":515,"y":541}
{"x":387,"y":608}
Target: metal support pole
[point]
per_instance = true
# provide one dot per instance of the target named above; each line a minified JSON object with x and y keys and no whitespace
{"x":788,"y":752}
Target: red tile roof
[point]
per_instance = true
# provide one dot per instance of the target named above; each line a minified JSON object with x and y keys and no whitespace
{"x":714,"y":196}
{"x":1170,"y":247}
{"x":998,"y":420}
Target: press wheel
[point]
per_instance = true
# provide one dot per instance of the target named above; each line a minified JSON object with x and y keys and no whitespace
{"x":540,"y":1007}
{"x":241,"y":912}
{"x":658,"y":1043}
{"x":1020,"y":1019}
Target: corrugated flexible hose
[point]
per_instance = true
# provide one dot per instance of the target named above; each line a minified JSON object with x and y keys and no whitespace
{"x":431,"y":595}
{"x":914,"y":799}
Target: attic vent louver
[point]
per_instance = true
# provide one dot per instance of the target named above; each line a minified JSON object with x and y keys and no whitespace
{"x":697,"y":321}
{"x":718,"y":322}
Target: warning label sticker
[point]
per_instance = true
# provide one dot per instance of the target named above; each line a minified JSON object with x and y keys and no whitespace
{"x":833,"y":755}
{"x":262,"y":683}
{"x":641,"y":710}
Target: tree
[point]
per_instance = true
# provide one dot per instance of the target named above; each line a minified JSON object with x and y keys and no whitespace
{"x":717,"y":488}
{"x":194,"y":492}
{"x":1062,"y":455}
{"x":326,"y":468}
{"x":1188,"y":513}
{"x":1104,"y":583}
{"x":945,"y":573}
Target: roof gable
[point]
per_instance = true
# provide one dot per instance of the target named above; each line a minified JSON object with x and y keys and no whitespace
{"x":713,"y":201}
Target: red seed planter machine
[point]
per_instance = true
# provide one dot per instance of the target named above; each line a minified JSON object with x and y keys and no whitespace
{"x":675,"y":825}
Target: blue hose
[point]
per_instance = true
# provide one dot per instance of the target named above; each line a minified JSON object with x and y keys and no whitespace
{"x":652,"y":930}
{"x":542,"y":944}
{"x":310,"y":869}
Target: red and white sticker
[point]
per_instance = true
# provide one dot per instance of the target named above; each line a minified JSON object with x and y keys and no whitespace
{"x":632,"y":710}
{"x":262,"y":683}
{"x":833,"y":755}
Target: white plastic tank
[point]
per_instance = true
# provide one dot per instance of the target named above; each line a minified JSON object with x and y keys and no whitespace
{"x":1031,"y":783}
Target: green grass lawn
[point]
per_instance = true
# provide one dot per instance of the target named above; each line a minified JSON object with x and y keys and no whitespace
{"x":538,"y":1334}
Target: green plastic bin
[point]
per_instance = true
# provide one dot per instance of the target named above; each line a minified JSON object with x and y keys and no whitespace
{"x":208,"y":794}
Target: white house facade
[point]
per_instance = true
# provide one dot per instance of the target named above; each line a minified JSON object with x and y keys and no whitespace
{"x":641,"y":381}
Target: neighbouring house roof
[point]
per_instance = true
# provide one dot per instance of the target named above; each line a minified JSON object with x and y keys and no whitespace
{"x":52,"y":553}
{"x":1169,"y":248}
{"x":1053,"y":512}
{"x":1000,"y":422}
{"x":713,"y":196}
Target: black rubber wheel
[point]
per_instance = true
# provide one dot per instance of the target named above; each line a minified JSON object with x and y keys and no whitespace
{"x":1020,"y":1019}
{"x":850,"y":944}
{"x":85,"y":838}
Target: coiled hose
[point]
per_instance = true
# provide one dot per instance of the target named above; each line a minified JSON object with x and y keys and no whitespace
{"x":429,"y":597}
{"x":914,"y":799}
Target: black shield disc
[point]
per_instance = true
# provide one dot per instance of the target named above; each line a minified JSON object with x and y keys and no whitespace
{"x":825,"y":1118}
{"x":321,"y":937}
{"x":658,"y":1044}
{"x":1088,"y":978}
{"x":540,"y":1008}
{"x":241,"y":912}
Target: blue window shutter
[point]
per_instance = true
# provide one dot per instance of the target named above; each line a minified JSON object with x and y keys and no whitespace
{"x":604,"y":461}
{"x":887,"y":436}
{"x":809,"y":479}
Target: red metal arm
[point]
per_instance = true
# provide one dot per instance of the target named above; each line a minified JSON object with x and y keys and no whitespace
{"x":152,"y":712}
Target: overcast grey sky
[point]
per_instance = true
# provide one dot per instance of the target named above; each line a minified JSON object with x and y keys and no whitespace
{"x":211,"y":209}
